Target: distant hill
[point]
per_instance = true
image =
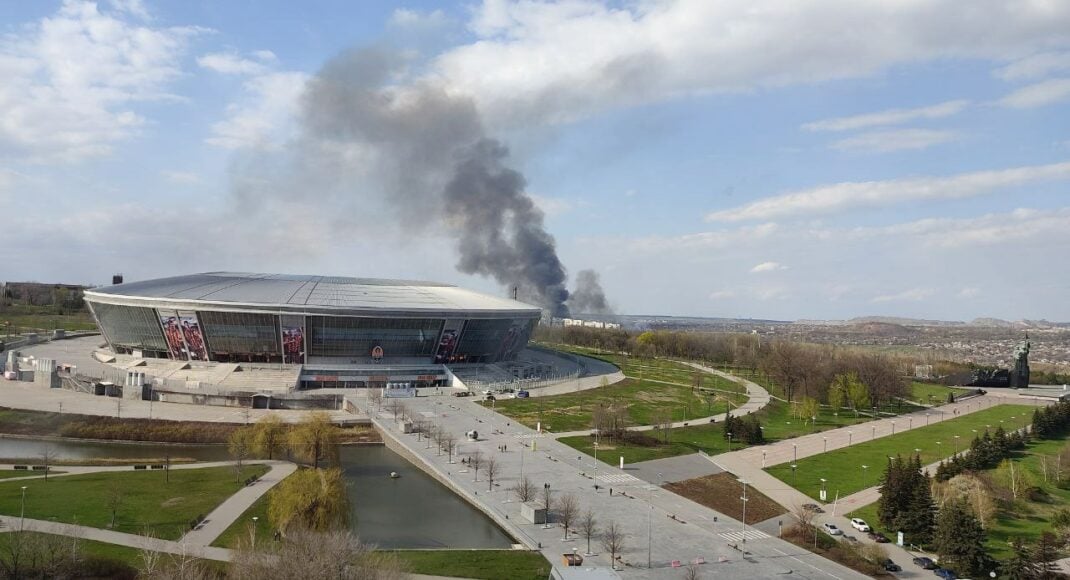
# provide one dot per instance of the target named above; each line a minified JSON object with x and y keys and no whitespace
{"x":904,"y":321}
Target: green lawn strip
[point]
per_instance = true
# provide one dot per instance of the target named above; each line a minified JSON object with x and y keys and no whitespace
{"x":9,"y":473}
{"x":149,"y":504}
{"x":480,"y":564}
{"x":928,"y":393}
{"x":241,"y":528}
{"x":843,"y":467}
{"x":775,"y":418}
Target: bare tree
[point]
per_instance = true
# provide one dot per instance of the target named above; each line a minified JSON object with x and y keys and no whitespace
{"x":613,"y":541}
{"x":375,"y":397}
{"x":395,"y":408}
{"x":492,"y":468}
{"x":114,"y":501}
{"x":303,"y":554}
{"x":475,"y":461}
{"x":47,"y":457}
{"x":567,"y":510}
{"x":149,"y":556}
{"x":691,"y":572}
{"x":524,"y":490}
{"x":588,"y":527}
{"x":448,"y":443}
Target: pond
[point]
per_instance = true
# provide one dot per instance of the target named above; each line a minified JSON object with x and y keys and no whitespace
{"x":411,"y":511}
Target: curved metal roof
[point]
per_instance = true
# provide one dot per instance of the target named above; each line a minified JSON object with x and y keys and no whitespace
{"x":308,"y":293}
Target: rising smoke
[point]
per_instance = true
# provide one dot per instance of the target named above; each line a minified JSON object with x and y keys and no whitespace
{"x":427,"y":154}
{"x":587,"y":297}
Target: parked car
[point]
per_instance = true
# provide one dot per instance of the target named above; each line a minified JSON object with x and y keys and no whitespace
{"x":831,"y":529}
{"x":945,"y":573}
{"x":813,"y":507}
{"x":878,"y":537}
{"x":462,"y":394}
{"x":489,"y":398}
{"x":891,"y":566}
{"x":522,"y":394}
{"x":860,"y":524}
{"x":925,"y":562}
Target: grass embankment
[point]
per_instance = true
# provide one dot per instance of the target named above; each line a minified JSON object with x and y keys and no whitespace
{"x":10,"y":473}
{"x":1020,"y":518}
{"x":480,"y":564}
{"x":776,"y":419}
{"x":930,"y":394}
{"x":44,"y":423}
{"x":148,"y":505}
{"x":24,"y":318}
{"x":653,"y":388}
{"x":242,"y":528}
{"x":722,"y":492}
{"x":842,"y":468}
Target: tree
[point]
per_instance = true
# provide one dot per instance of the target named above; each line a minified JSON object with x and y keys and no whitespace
{"x":475,"y":461}
{"x":1020,"y":565}
{"x":857,"y":394}
{"x":613,"y":541}
{"x":314,"y":439}
{"x":1045,"y":555}
{"x":588,"y":527}
{"x":47,"y":457}
{"x":375,"y":397}
{"x":492,"y":468}
{"x":240,"y":447}
{"x":336,"y":554}
{"x":448,"y":443}
{"x":114,"y":501}
{"x":270,"y":434}
{"x":524,"y":490}
{"x":837,"y":394}
{"x":809,"y":409}
{"x":960,"y":540}
{"x":568,"y":508}
{"x":313,"y":499}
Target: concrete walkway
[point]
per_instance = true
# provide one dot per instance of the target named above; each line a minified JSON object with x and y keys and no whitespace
{"x":758,"y":397}
{"x":217,"y":522}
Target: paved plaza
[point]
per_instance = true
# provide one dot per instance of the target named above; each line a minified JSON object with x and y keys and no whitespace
{"x":681,"y":530}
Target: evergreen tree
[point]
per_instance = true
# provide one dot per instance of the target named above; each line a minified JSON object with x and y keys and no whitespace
{"x":916,"y":519}
{"x":959,"y":540}
{"x":894,"y":492}
{"x":1020,"y":565}
{"x":1045,"y":553}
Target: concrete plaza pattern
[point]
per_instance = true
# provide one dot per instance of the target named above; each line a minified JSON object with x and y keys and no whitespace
{"x":681,"y":530}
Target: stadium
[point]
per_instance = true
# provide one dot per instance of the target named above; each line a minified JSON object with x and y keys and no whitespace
{"x":207,"y":331}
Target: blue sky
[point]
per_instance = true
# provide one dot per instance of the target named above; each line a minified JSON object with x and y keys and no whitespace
{"x":765,"y":159}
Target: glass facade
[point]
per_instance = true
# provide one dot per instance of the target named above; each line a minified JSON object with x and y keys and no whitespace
{"x":356,"y":337}
{"x":492,"y":340}
{"x":238,"y":335}
{"x":131,"y":327}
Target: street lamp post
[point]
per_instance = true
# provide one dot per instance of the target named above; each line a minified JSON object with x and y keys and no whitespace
{"x":873,"y":435}
{"x":826,"y":440}
{"x":730,"y":441}
{"x":253,"y":539}
{"x":793,"y":467}
{"x":893,"y":427}
{"x":22,"y":512}
{"x":850,"y":435}
{"x":794,"y":453}
{"x":763,"y":458}
{"x":958,"y":447}
{"x":864,"y":468}
{"x":744,"y":498}
{"x":926,"y":419}
{"x":824,"y":490}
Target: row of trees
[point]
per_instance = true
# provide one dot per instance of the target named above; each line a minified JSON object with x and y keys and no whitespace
{"x":825,"y":373}
{"x":986,"y":452}
{"x":1051,"y":422}
{"x":314,"y":440}
{"x":746,"y":429}
{"x":906,"y":503}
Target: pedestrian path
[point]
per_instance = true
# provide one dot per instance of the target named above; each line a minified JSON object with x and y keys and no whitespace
{"x":750,"y":535}
{"x":621,"y":478}
{"x":217,"y":522}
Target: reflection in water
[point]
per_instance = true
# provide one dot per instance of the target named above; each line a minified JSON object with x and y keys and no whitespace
{"x":412,"y":511}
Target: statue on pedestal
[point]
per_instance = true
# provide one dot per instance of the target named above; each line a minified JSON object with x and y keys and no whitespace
{"x":1020,"y":375}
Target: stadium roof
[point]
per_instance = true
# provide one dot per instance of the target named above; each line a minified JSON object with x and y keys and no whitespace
{"x":290,"y":292}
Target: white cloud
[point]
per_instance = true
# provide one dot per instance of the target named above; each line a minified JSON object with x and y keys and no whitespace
{"x":852,"y":195}
{"x":1039,"y":94}
{"x":722,"y":295}
{"x":418,"y":19}
{"x":895,"y":140}
{"x":71,"y":80}
{"x":132,"y":7}
{"x":181,"y":177}
{"x":768,"y":267}
{"x":231,"y":64}
{"x":264,"y":117}
{"x":969,"y":292}
{"x":912,"y":295}
{"x":888,"y":117}
{"x":555,"y":62}
{"x":1036,"y":66}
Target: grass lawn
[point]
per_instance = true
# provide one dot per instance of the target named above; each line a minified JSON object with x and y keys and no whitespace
{"x":1020,"y":518}
{"x":25,"y":318}
{"x":775,"y":418}
{"x":148,"y":505}
{"x":481,"y":564}
{"x":9,"y":473}
{"x":652,"y":387}
{"x":843,"y":467}
{"x":928,"y":393}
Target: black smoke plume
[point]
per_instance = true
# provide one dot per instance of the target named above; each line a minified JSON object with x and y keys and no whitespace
{"x":587,"y":296}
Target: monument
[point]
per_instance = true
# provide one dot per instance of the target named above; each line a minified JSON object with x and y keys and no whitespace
{"x":1020,"y":375}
